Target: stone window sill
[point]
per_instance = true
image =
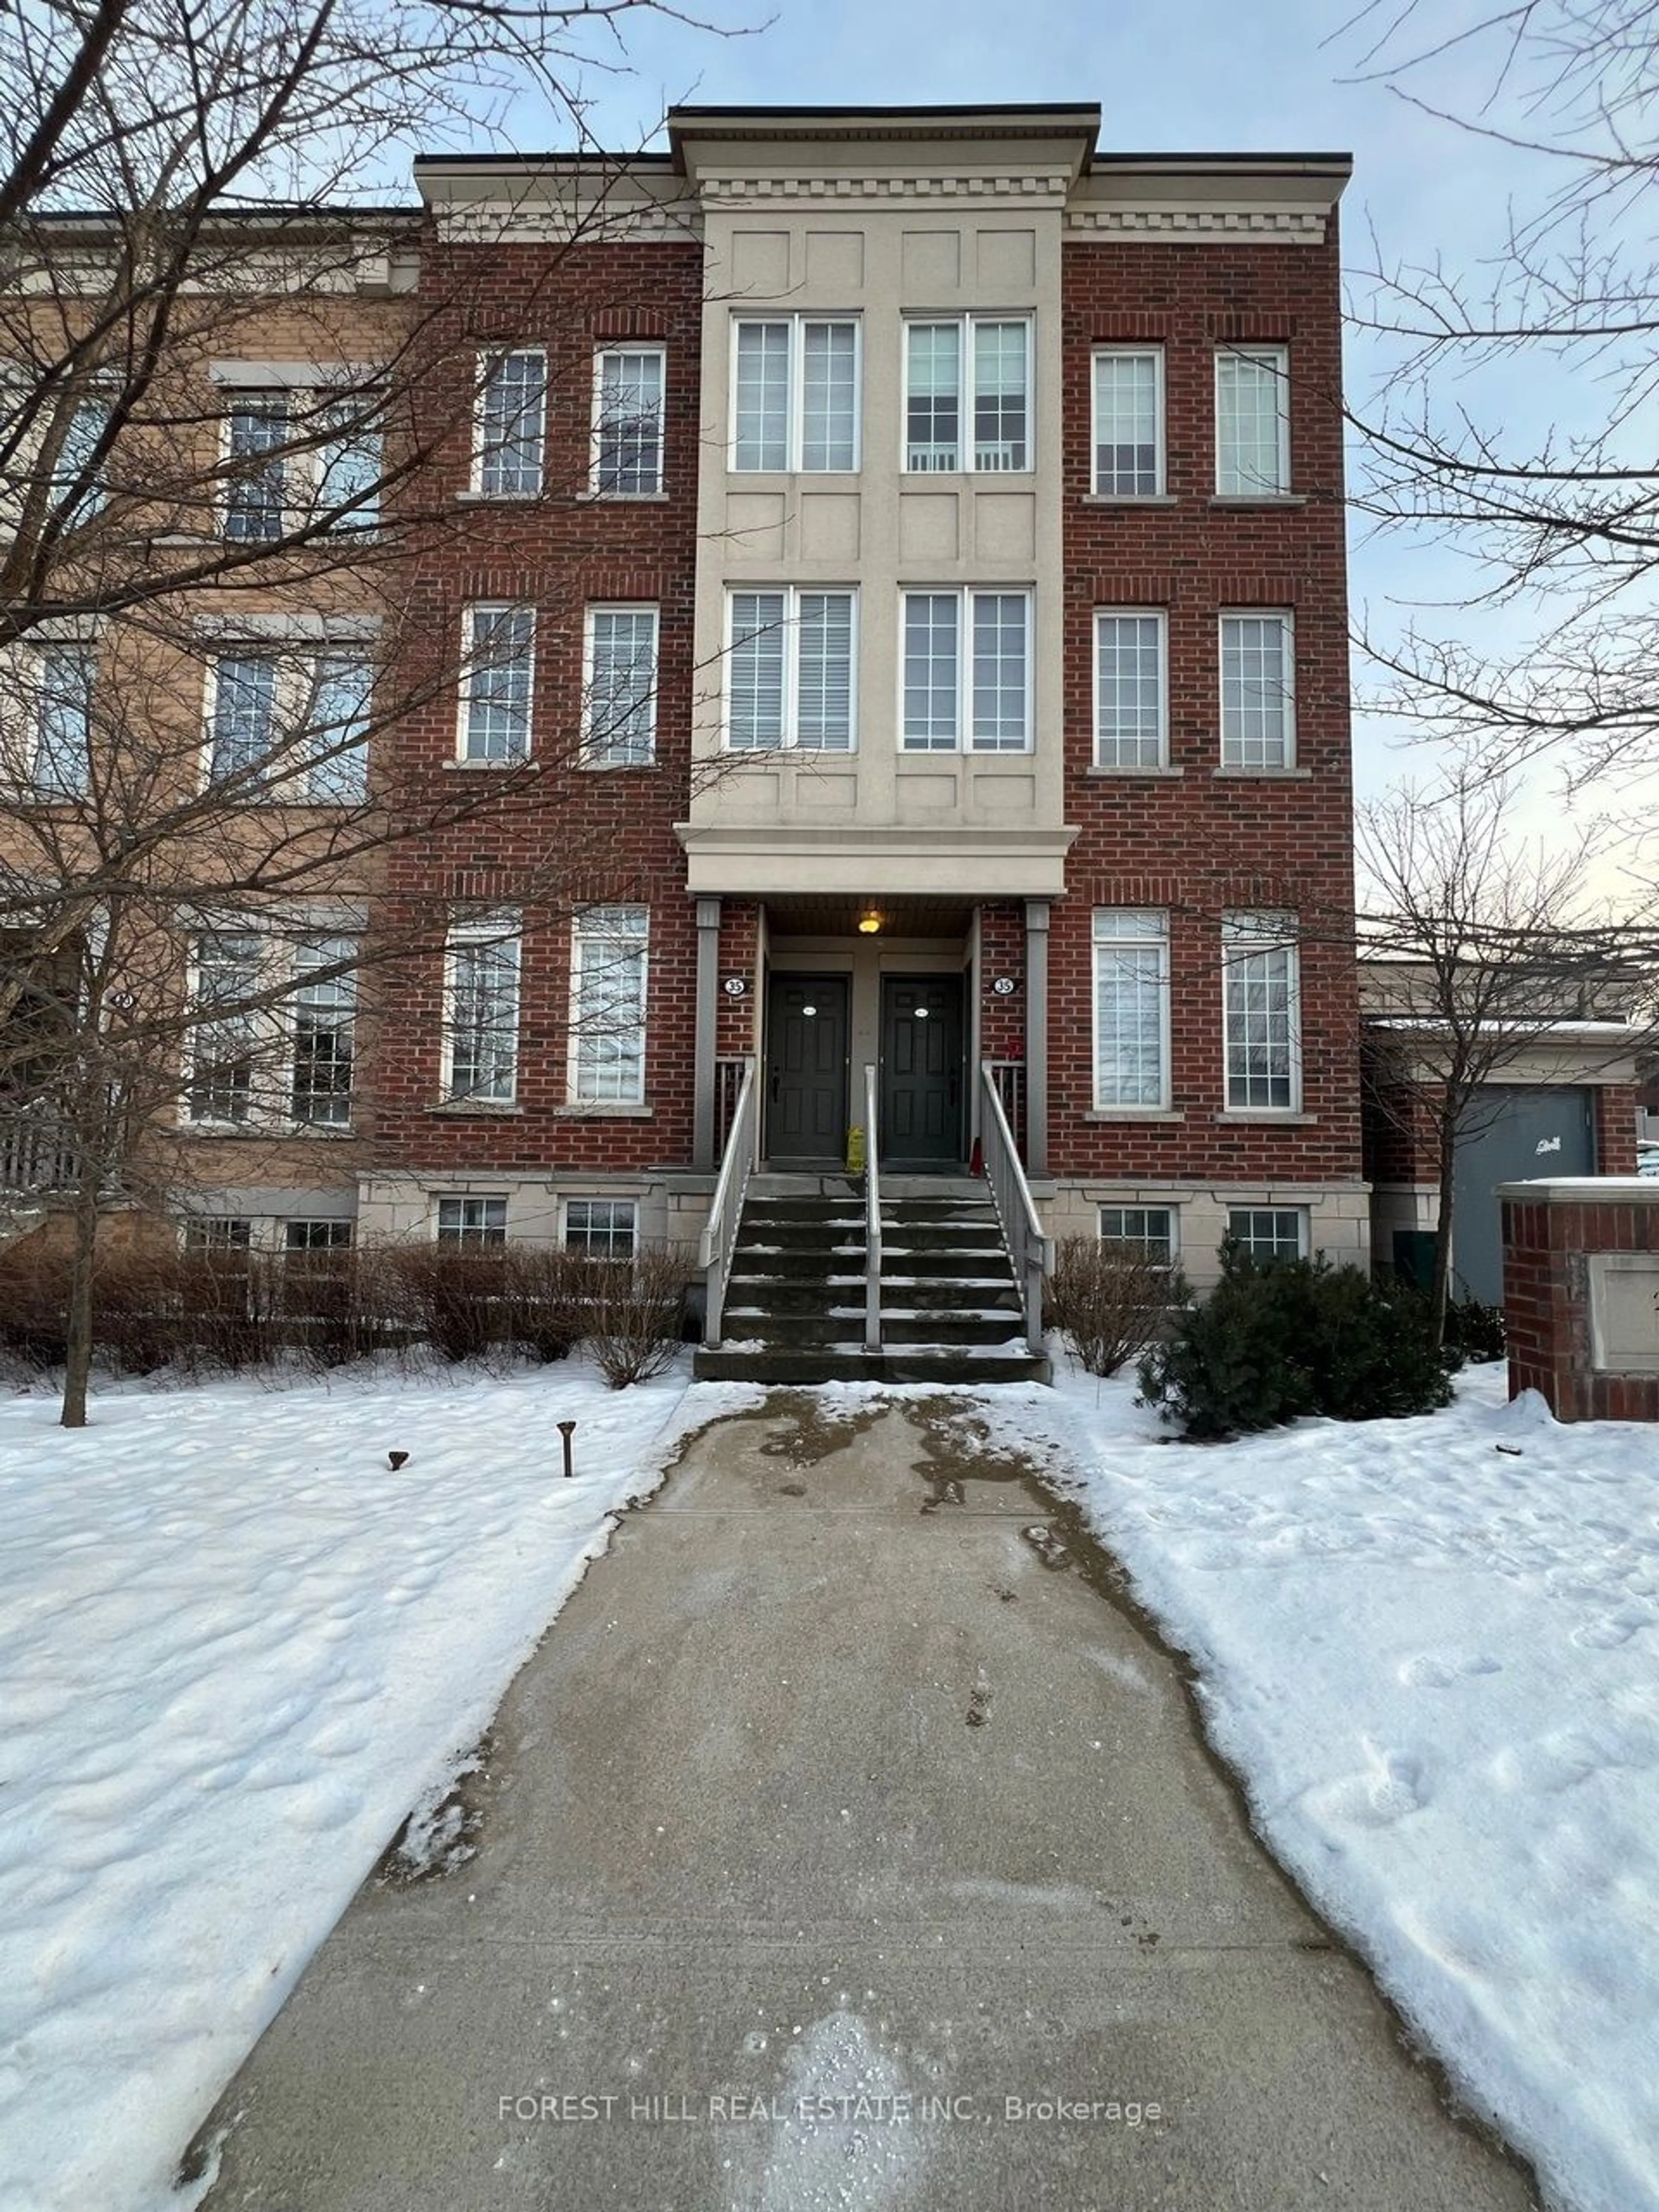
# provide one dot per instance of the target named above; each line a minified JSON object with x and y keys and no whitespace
{"x":1265,"y":774}
{"x":1269,"y":1118}
{"x":1244,"y":500}
{"x":606,"y":1109}
{"x":1134,"y":1113}
{"x":474,"y":498}
{"x":1130,"y":499}
{"x":495,"y":767}
{"x":1152,"y":775}
{"x":485,"y":1110}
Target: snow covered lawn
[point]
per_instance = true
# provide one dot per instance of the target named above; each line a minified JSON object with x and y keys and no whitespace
{"x":234,"y":1650}
{"x":1432,"y":1649}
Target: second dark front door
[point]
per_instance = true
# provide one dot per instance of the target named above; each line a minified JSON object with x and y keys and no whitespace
{"x":921,"y":1071}
{"x":806,"y":1069}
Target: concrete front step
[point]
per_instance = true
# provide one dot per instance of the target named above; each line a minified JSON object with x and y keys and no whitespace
{"x":947,"y":1368}
{"x":780,"y":1332}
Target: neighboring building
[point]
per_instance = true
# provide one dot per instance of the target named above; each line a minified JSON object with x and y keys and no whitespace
{"x":931,"y":527}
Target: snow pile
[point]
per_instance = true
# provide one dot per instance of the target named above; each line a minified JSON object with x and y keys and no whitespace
{"x":1429,"y":1647}
{"x":236,"y":1650}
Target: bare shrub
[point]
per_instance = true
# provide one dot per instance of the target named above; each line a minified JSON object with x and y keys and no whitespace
{"x":1109,"y":1300}
{"x":634,"y":1311}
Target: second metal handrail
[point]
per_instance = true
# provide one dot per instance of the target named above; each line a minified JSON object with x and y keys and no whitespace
{"x":871,"y":1220}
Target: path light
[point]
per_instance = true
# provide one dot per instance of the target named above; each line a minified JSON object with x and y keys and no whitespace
{"x":567,"y":1430}
{"x":396,"y":1459}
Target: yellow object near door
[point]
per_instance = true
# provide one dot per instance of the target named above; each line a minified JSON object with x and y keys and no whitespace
{"x":855,"y":1149}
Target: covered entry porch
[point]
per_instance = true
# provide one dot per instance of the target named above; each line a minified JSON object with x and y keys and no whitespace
{"x":812,"y":991}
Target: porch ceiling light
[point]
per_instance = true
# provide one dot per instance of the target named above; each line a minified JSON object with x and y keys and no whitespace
{"x":869,"y":922}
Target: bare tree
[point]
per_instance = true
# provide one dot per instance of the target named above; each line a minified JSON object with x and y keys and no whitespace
{"x":1481,"y":945}
{"x":217,"y":596}
{"x":1563,"y":521}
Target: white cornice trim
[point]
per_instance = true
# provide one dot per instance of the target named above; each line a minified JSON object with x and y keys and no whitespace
{"x":1286,"y":225}
{"x":530,"y":222}
{"x":1048,"y":186}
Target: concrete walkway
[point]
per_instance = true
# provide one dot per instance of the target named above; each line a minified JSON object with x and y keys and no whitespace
{"x":845,"y":1845}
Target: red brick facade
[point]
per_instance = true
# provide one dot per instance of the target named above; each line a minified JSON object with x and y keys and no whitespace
{"x":1547,"y":1302}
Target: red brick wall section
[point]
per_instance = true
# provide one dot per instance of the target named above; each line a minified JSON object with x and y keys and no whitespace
{"x":1546,"y":1306}
{"x":578,"y":835}
{"x":1196,"y":842}
{"x":1002,"y":952}
{"x":1615,"y":1129}
{"x":739,"y":1020}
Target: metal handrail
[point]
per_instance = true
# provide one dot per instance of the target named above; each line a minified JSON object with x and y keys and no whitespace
{"x":871,"y":1219}
{"x":1031,"y":1251}
{"x":719,"y":1240}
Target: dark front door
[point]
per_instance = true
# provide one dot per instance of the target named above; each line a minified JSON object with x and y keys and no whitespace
{"x":922,"y":1085}
{"x":806,"y":1069}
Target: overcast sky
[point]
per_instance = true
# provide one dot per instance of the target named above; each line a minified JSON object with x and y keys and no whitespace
{"x":1194,"y":75}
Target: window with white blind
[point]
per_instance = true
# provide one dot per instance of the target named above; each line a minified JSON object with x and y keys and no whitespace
{"x":1132,"y":1009}
{"x":609,"y":962}
{"x":629,"y":383}
{"x":1131,"y":689}
{"x":1258,"y":691}
{"x":968,"y":394}
{"x":497,"y":683}
{"x":1128,"y":422}
{"x":967,"y":672}
{"x":795,"y":393}
{"x":512,"y":423}
{"x":620,"y":691}
{"x":1263,"y":1014}
{"x":290,"y":725}
{"x":481,"y":1010}
{"x":274,"y":1041}
{"x":1252,"y":423}
{"x":790,"y":659}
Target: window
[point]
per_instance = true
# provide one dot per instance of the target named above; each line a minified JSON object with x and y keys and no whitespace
{"x":789,"y":671}
{"x":497,"y":682}
{"x":324,"y":1022}
{"x":480,"y":1011}
{"x":1260,"y":967}
{"x":53,"y":693}
{"x":472,"y":1221}
{"x":796,"y":394}
{"x":1131,"y":657}
{"x":216,"y":1233}
{"x":604,"y":1228}
{"x":1142,"y":1231}
{"x":1129,"y":422}
{"x":1269,"y":1232}
{"x":975,"y":363}
{"x":1252,"y":423}
{"x":316,"y":1235}
{"x":1132,"y":1009}
{"x":299,"y":459}
{"x":507,"y":462}
{"x":1258,"y":691}
{"x":621,"y":687}
{"x":54,"y":444}
{"x":274,"y":1043}
{"x":628,"y":422}
{"x":967,"y":671}
{"x":607,"y":1004}
{"x":291,"y":725}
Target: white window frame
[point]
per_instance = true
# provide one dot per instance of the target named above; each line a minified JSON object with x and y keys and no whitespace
{"x":493,"y":363}
{"x":1247,"y":936}
{"x":789,"y":737}
{"x":631,"y":1207}
{"x":611,"y":350}
{"x":1234,"y":746}
{"x":589,"y":1060}
{"x":794,"y":463}
{"x":303,"y":1247}
{"x":967,"y":597}
{"x":1142,"y":928}
{"x":297,"y":782}
{"x":1155,"y":355}
{"x":304,"y":469}
{"x":501,"y":932}
{"x":25,"y":696}
{"x":479,"y":1235}
{"x":1298,"y":1213}
{"x":1158,"y":616}
{"x":1230,"y":481}
{"x":1171,"y":1215}
{"x":471,"y":665}
{"x":969,"y":462}
{"x":638,"y":749}
{"x":279,"y":966}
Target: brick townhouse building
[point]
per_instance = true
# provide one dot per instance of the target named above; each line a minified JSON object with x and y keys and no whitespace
{"x":899,"y":557}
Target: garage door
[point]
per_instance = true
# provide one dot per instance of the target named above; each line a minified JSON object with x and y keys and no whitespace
{"x":1515,"y":1132}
